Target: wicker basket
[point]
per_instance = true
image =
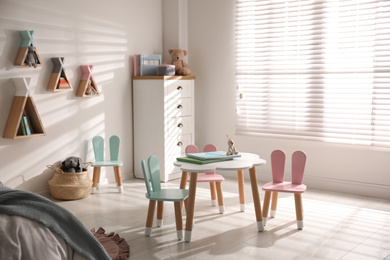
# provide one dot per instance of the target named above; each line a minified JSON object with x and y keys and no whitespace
{"x":69,"y":185}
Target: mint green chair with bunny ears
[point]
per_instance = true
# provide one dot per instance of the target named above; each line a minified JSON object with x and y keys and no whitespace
{"x":98,"y":148}
{"x":155,"y":193}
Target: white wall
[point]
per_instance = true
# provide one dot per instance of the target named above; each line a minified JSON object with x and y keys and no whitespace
{"x":346,"y":168}
{"x":103,"y":33}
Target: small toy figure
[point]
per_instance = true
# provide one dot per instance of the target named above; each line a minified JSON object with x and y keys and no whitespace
{"x":232,"y":149}
{"x":31,"y":58}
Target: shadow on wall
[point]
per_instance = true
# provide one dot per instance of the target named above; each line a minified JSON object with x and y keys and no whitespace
{"x":69,"y":121}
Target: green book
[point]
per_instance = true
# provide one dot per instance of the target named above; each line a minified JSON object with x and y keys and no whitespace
{"x":198,"y":161}
{"x":23,"y":126}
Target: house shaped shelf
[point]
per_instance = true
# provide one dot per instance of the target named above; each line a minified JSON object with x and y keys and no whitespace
{"x":27,"y":54}
{"x":23,"y":108}
{"x":87,"y":86}
{"x":58,"y":79}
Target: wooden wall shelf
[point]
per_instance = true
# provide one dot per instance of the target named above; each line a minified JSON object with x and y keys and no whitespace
{"x":27,"y":46}
{"x":58,"y":80}
{"x":23,"y":105}
{"x":87,"y":86}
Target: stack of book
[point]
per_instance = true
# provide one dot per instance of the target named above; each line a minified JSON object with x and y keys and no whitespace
{"x":25,"y":126}
{"x":209,"y":157}
{"x":63,"y":83}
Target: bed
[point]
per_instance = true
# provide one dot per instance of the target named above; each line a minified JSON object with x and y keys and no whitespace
{"x":33,"y":227}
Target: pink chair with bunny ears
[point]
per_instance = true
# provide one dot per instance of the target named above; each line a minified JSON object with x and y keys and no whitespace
{"x":278,"y":159}
{"x":214,"y":179}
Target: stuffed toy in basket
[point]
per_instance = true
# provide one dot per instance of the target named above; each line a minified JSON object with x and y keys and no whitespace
{"x":69,"y":185}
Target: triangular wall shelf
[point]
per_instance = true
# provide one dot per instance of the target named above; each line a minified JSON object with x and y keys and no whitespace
{"x":23,"y":105}
{"x":27,"y":51}
{"x":87,"y":86}
{"x":58,"y":79}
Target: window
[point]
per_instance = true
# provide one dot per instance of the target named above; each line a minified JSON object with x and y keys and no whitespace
{"x":314,"y":69}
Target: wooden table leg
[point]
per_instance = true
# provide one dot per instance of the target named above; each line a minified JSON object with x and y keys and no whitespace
{"x":191,"y":206}
{"x":183,"y":183}
{"x":241,"y":189}
{"x":256,"y":199}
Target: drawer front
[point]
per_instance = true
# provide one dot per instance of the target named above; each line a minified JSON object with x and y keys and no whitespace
{"x":177,"y":145}
{"x":180,"y":125}
{"x":179,"y":107}
{"x":179,"y":88}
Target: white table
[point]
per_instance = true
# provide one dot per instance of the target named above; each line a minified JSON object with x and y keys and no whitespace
{"x":246,"y":161}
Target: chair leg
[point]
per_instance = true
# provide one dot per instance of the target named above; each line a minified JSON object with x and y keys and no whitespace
{"x":267,"y":198}
{"x":149,"y":218}
{"x":160,"y":213}
{"x":95,"y":179}
{"x":213,"y":194}
{"x":299,"y":210}
{"x":179,"y":220}
{"x":274,"y":203}
{"x":118,"y":178}
{"x":241,"y":189}
{"x":220,"y":197}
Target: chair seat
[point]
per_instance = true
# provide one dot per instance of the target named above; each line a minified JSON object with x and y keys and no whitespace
{"x":107,"y":163}
{"x":168,"y":195}
{"x":284,"y":187}
{"x":204,"y":177}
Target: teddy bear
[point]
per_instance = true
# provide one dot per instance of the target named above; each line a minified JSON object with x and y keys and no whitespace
{"x":181,"y":68}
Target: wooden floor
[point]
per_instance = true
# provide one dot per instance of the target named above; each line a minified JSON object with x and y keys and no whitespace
{"x":336,"y":225}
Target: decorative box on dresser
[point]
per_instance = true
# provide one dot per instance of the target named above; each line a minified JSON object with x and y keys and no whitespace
{"x":164,"y":121}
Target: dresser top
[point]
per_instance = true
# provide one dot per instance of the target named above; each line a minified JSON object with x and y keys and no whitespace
{"x":164,"y":77}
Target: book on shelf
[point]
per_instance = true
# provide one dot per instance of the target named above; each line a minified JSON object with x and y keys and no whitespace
{"x":26,"y":125}
{"x":23,"y":126}
{"x":198,"y":161}
{"x":63,"y":83}
{"x":212,"y":155}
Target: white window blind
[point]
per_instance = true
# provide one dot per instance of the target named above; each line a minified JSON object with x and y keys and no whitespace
{"x":314,"y":69}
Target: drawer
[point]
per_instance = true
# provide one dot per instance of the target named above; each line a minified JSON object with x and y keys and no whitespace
{"x":179,"y":107}
{"x":180,"y":125}
{"x":177,"y":145}
{"x":179,"y":88}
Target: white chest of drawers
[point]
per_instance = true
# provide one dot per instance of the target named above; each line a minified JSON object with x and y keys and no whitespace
{"x":163,"y":112}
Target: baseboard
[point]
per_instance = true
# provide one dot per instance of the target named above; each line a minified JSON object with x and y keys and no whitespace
{"x":350,"y":187}
{"x":334,"y":185}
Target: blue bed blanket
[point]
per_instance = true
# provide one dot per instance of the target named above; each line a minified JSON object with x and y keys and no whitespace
{"x":54,"y":217}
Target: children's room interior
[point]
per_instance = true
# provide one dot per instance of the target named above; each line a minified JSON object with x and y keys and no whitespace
{"x":194,"y":129}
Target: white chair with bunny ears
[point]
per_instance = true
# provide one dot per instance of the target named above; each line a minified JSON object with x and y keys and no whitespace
{"x":278,"y":159}
{"x":214,"y":179}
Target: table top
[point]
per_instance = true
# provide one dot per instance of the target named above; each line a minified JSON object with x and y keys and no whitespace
{"x":246,"y":161}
